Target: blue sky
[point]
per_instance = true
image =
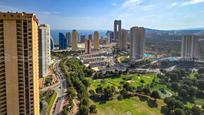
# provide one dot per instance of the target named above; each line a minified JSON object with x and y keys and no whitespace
{"x":100,"y":14}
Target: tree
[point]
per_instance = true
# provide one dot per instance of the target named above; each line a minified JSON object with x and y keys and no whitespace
{"x":155,"y":94}
{"x":124,"y":93}
{"x":86,"y":82}
{"x":85,"y":101}
{"x":92,"y":109}
{"x":147,"y":91}
{"x":183,"y":93}
{"x":175,"y":86}
{"x":142,"y":81}
{"x":99,"y":90}
{"x":196,"y":110}
{"x":165,"y":110}
{"x":92,"y":92}
{"x":83,"y":110}
{"x":179,"y":111}
{"x":108,"y":93}
{"x":71,"y":92}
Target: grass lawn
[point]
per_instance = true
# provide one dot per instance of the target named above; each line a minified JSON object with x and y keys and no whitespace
{"x":158,"y":87}
{"x":132,"y":106}
{"x":51,"y":102}
{"x":133,"y":79}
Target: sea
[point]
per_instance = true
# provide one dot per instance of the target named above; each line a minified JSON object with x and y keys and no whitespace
{"x":55,"y":33}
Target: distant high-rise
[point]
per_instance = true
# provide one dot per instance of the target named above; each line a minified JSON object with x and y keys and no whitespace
{"x":88,"y":46}
{"x":74,"y":39}
{"x":44,"y":49}
{"x":19,"y":75}
{"x":110,"y":36}
{"x":63,"y":44}
{"x":90,"y":37}
{"x":96,"y":40}
{"x":68,"y":36}
{"x":137,"y":42}
{"x":82,"y":38}
{"x":51,"y":43}
{"x":123,"y":40}
{"x":117,"y":29}
{"x":190,"y":48}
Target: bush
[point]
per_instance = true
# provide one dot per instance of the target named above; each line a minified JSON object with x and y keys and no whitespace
{"x":92,"y":109}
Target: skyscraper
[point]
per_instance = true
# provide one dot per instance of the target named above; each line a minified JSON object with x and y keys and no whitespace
{"x":90,"y":37}
{"x":88,"y":46}
{"x":19,"y":75}
{"x":117,"y":29}
{"x":68,"y":36}
{"x":96,"y":40}
{"x":63,"y":44}
{"x":123,"y":40}
{"x":51,"y":43}
{"x":44,"y":49}
{"x":189,"y":48}
{"x":82,"y":38}
{"x":110,"y":36}
{"x":137,"y":42}
{"x":74,"y":39}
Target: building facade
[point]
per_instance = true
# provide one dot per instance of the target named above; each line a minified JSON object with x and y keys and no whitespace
{"x":117,"y":29}
{"x":137,"y":43}
{"x":52,"y":44}
{"x":96,"y":40}
{"x":82,"y":38}
{"x":44,"y":49}
{"x":123,"y":40}
{"x":63,"y":44}
{"x":110,"y":36}
{"x":74,"y":40}
{"x":69,"y":39}
{"x":88,"y":46}
{"x":90,"y":37}
{"x":19,"y":75}
{"x":190,"y":48}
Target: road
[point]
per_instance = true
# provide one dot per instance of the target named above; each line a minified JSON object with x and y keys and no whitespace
{"x":60,"y":89}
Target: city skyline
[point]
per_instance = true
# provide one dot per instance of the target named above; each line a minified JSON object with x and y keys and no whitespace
{"x":99,"y":15}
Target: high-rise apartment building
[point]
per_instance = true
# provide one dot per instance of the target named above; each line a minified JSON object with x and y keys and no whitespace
{"x":117,"y":29}
{"x":137,"y":42}
{"x":110,"y":36}
{"x":88,"y":46}
{"x":190,"y":48}
{"x":44,"y":49}
{"x":63,"y":44}
{"x":96,"y":40}
{"x":19,"y":72}
{"x":90,"y":37}
{"x":82,"y":38}
{"x":51,"y":44}
{"x":74,"y":39}
{"x":123,"y":40}
{"x":68,"y":36}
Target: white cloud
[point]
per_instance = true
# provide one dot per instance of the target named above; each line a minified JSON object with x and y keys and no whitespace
{"x":148,"y":7}
{"x":191,"y":2}
{"x":130,"y":4}
{"x":174,"y":4}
